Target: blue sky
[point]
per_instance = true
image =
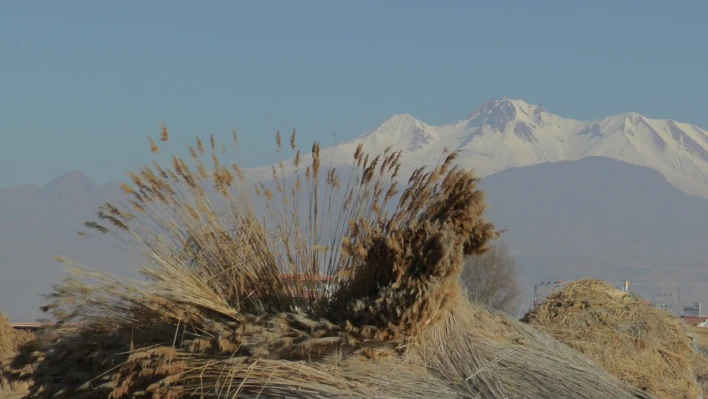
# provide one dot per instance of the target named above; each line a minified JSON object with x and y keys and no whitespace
{"x":83,"y":82}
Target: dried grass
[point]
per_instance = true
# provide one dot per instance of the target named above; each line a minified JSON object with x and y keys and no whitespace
{"x":214,"y":318}
{"x":700,"y":341}
{"x":493,"y":356}
{"x":11,"y":341}
{"x":638,"y":343}
{"x":700,"y":334}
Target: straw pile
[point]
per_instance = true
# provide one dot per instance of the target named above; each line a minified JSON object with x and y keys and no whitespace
{"x":492,"y":356}
{"x":700,"y":334}
{"x":11,"y":341}
{"x":638,"y":343}
{"x":700,"y":337}
{"x":215,"y":318}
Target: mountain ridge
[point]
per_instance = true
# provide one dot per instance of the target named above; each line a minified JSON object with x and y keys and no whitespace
{"x":507,"y":133}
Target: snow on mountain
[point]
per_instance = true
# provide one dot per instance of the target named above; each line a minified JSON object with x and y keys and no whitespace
{"x":507,"y":133}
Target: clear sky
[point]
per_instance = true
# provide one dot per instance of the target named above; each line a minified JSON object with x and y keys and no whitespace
{"x":83,"y":82}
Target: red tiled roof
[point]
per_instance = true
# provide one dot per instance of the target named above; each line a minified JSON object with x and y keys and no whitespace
{"x":694,"y":320}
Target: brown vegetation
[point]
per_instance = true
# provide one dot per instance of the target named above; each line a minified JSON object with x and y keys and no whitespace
{"x":700,"y":337}
{"x":640,"y":344}
{"x":11,"y":341}
{"x":216,"y":318}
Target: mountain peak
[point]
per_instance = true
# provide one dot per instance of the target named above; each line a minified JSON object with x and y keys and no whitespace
{"x":397,"y":123}
{"x":402,"y":131}
{"x":499,"y":113}
{"x":506,"y":102}
{"x":400,"y":119}
{"x":67,"y":184}
{"x":76,"y":177}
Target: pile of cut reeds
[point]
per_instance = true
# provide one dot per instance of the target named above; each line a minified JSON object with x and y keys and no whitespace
{"x":215,"y":317}
{"x":640,"y":344}
{"x":700,"y":340}
{"x":493,"y":356}
{"x":11,"y":343}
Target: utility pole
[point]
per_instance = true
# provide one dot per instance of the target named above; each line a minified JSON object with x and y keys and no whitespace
{"x":663,"y":302}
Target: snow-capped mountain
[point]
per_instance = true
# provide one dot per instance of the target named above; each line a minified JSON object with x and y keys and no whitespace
{"x":507,"y":133}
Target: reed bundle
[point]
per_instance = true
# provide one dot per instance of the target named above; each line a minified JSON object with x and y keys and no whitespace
{"x":216,"y":317}
{"x":638,"y":343}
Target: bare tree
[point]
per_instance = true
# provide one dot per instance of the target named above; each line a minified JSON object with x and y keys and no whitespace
{"x":490,"y":278}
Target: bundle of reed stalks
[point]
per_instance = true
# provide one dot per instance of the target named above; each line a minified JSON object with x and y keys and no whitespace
{"x":700,"y":339}
{"x":11,"y":342}
{"x":640,"y":344}
{"x":216,"y":316}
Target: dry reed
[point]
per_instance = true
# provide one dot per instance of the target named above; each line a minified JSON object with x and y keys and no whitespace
{"x":700,"y":340}
{"x":493,"y":356}
{"x":215,"y":318}
{"x":640,"y":344}
{"x":11,"y":342}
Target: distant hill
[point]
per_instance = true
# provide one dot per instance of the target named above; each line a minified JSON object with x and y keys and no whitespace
{"x":38,"y":223}
{"x":603,"y":218}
